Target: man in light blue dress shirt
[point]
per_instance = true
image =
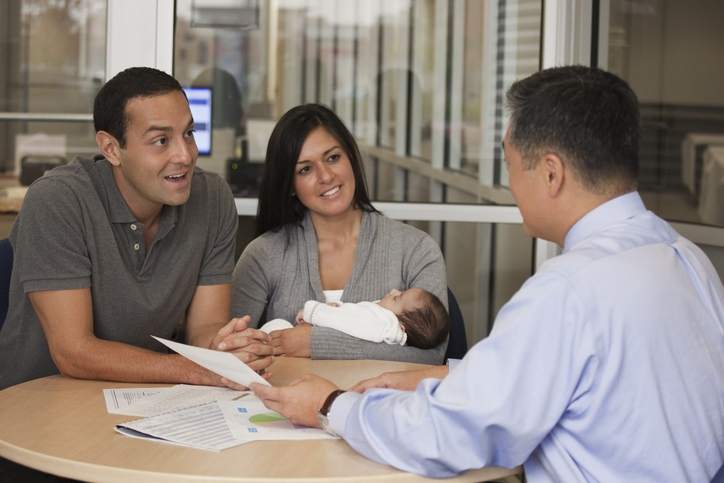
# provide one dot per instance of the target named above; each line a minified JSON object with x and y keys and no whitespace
{"x":607,"y":365}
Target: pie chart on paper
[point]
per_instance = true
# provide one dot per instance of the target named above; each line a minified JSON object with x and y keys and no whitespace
{"x":270,"y":420}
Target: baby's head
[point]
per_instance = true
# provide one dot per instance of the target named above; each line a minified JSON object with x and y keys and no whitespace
{"x":421,"y":314}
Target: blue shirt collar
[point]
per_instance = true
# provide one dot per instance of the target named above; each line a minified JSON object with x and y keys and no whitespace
{"x":612,"y":211}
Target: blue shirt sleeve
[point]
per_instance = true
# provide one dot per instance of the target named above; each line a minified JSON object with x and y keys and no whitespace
{"x":495,"y":406}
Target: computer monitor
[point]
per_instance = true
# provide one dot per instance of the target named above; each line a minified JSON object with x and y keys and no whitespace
{"x":200,"y":104}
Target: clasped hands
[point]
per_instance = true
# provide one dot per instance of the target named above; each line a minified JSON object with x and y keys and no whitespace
{"x":301,"y":400}
{"x":256,"y":348}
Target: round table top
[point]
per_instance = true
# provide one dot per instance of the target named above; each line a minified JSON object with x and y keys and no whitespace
{"x":60,"y":425}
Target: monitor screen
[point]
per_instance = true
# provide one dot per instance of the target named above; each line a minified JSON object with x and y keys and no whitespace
{"x":200,"y":104}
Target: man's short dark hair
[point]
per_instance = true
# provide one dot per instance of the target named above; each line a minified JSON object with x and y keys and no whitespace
{"x":587,"y":116}
{"x":428,"y":325}
{"x":109,"y":107}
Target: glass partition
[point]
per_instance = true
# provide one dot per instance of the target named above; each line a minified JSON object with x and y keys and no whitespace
{"x":53,"y":56}
{"x":420,"y":84}
{"x":671,"y":54}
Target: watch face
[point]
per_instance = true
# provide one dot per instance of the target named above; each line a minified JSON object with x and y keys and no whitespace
{"x":324,"y":424}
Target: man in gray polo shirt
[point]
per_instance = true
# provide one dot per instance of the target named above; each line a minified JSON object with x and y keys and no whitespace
{"x":112,"y":250}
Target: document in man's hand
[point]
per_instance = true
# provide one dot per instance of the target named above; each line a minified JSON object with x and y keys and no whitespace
{"x":224,"y":364}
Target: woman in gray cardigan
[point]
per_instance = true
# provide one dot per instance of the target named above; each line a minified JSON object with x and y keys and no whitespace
{"x":320,"y":238}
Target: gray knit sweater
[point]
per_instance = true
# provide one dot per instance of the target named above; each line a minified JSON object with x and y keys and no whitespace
{"x":279,"y":271}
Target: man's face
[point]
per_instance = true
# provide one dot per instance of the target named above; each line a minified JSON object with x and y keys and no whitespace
{"x":156,"y":165}
{"x":526,"y":186}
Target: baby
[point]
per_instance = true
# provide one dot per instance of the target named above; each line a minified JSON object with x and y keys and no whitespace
{"x":414,"y":317}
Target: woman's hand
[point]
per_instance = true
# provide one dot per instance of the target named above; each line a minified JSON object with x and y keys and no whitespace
{"x":251,"y":346}
{"x":294,"y":342}
{"x":402,"y":380}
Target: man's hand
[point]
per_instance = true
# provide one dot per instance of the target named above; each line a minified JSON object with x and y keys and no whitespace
{"x":251,"y":346}
{"x":294,"y":342}
{"x":300,"y":401}
{"x":402,"y":380}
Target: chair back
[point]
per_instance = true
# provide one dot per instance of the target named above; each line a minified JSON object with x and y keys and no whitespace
{"x":6,"y":269}
{"x":719,"y":477}
{"x":457,"y":344}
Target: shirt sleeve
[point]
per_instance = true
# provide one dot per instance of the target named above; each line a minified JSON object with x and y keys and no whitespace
{"x":49,"y":239}
{"x":252,"y":283}
{"x":495,"y":407}
{"x":364,"y":320}
{"x":218,"y":263}
{"x":328,"y":343}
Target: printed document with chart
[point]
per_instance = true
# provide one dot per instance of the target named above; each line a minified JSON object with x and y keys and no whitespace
{"x":205,"y":418}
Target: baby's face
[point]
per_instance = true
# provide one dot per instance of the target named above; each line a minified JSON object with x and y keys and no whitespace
{"x":399,"y":302}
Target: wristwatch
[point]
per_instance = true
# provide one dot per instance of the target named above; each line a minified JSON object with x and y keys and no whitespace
{"x":324,"y":411}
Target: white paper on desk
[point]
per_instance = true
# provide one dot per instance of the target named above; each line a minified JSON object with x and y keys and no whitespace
{"x":118,"y":401}
{"x":248,"y":419}
{"x":224,"y":364}
{"x":176,"y":397}
{"x":201,"y":427}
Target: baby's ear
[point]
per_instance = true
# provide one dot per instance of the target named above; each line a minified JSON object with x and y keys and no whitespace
{"x":402,"y":326}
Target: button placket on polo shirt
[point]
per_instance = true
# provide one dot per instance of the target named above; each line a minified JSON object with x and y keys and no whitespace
{"x":137,"y":246}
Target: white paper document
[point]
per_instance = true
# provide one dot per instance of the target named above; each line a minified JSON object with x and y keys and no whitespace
{"x":224,"y":364}
{"x":249,"y":420}
{"x":202,"y":427}
{"x":144,"y":402}
{"x":118,"y":401}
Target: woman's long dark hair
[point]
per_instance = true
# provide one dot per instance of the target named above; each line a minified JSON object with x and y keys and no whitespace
{"x":277,"y":206}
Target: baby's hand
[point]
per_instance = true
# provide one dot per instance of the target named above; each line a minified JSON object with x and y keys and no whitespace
{"x":299,"y":319}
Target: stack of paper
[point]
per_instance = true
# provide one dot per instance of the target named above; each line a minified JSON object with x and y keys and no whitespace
{"x":146,"y":402}
{"x":209,"y":418}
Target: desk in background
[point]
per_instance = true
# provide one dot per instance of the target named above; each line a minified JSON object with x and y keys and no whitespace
{"x":11,"y":198}
{"x":692,"y":150}
{"x":711,"y":195}
{"x":60,"y":425}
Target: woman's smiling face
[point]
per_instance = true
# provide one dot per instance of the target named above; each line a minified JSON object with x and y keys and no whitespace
{"x":323,"y":177}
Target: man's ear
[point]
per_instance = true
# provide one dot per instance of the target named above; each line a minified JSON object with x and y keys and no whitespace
{"x":109,"y":147}
{"x":554,"y":171}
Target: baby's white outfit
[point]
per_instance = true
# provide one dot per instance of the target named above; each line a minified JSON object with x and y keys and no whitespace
{"x":364,"y":320}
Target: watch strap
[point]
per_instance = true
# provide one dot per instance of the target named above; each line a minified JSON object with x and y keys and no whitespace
{"x":324,"y":410}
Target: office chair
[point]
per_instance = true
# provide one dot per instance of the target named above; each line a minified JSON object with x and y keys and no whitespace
{"x":719,"y":477}
{"x":457,"y":344}
{"x":6,"y":268}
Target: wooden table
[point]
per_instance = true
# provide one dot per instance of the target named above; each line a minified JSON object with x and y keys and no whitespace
{"x":60,"y":425}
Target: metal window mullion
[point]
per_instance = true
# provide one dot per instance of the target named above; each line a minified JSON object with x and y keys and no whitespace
{"x":488,"y":146}
{"x":566,"y":40}
{"x":439,"y":84}
{"x":604,"y":25}
{"x":45,"y":117}
{"x":139,"y":33}
{"x":401,"y":58}
{"x":165,"y":35}
{"x":326,"y":53}
{"x":434,"y":212}
{"x":701,"y":234}
{"x":370,"y":75}
{"x":310,"y":56}
{"x":457,"y":61}
{"x":294,"y":79}
{"x":417,"y":80}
